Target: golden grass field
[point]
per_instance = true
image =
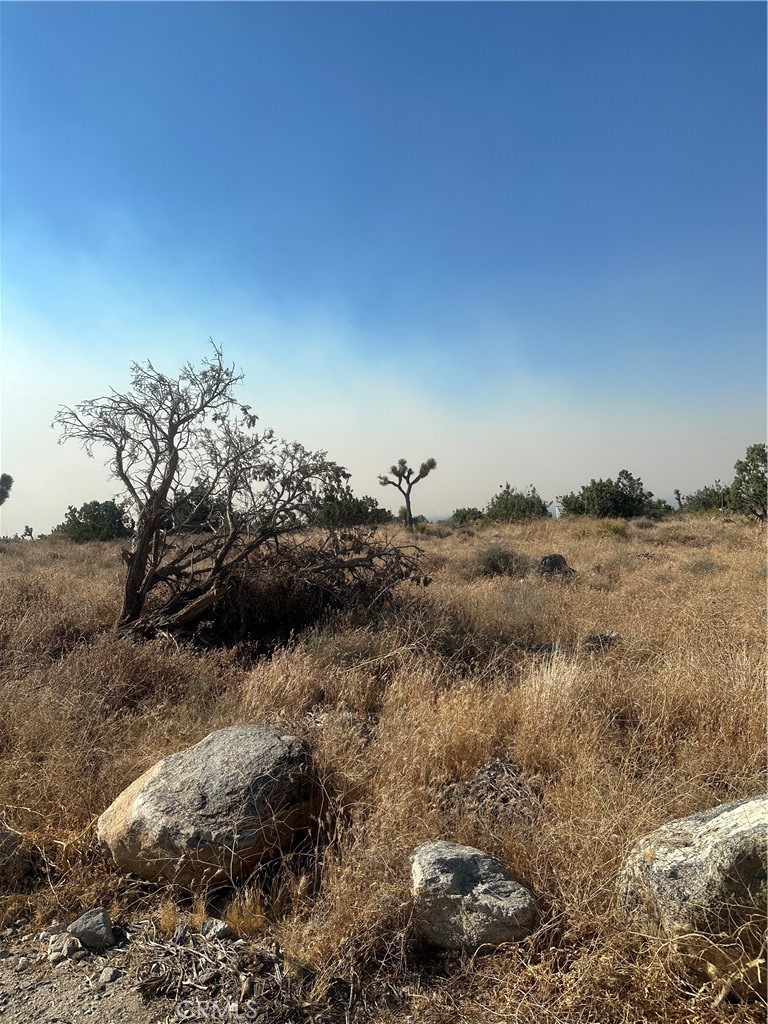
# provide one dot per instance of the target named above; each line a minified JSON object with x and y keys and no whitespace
{"x":616,"y":742}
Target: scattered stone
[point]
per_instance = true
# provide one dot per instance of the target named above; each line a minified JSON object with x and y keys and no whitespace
{"x":4,"y":954}
{"x":22,"y":964}
{"x":209,"y":814}
{"x":599,"y":641}
{"x":465,"y":899}
{"x":213,"y":928}
{"x":209,"y":978}
{"x":704,"y":876}
{"x":555,"y":565}
{"x":93,"y":929}
{"x":63,"y":947}
{"x":108,"y":975}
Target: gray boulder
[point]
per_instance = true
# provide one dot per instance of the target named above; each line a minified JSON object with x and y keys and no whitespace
{"x":465,"y":899}
{"x":701,"y":881}
{"x":93,"y":929}
{"x":209,"y":814}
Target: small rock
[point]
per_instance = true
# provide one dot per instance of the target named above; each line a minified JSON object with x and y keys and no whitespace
{"x":93,"y":929}
{"x":555,"y":565}
{"x":213,"y":928}
{"x":4,"y":954}
{"x":465,"y":899}
{"x":22,"y":964}
{"x":209,"y":978}
{"x":22,"y":921}
{"x":56,"y":957}
{"x":108,"y":975}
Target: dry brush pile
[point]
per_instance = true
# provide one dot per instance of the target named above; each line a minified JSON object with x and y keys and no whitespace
{"x":472,"y":710}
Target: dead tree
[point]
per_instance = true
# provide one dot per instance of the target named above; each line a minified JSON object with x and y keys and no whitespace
{"x":208,"y":491}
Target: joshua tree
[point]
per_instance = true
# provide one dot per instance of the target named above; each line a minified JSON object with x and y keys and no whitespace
{"x":404,"y":481}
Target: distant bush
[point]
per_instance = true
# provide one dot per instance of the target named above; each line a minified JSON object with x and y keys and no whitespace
{"x":511,"y":505}
{"x":342,"y":509}
{"x":95,"y":520}
{"x":622,"y":498}
{"x":710,"y":498}
{"x":466,"y":517}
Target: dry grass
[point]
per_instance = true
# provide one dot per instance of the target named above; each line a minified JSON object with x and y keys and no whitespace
{"x":667,"y":721}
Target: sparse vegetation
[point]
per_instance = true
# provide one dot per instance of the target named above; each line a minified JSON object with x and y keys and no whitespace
{"x":95,"y":520}
{"x":511,"y":505}
{"x":398,"y":704}
{"x":622,"y":498}
{"x":466,"y":517}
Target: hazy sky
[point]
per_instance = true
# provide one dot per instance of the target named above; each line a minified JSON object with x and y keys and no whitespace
{"x":526,"y":239}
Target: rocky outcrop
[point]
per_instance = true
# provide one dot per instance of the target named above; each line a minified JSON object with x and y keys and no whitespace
{"x":701,"y":881}
{"x":209,"y":814}
{"x":465,"y":899}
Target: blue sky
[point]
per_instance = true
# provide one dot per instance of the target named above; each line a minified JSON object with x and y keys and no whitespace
{"x":525,"y":239}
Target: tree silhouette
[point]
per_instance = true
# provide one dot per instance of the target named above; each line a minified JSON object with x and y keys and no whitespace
{"x":405,"y":481}
{"x":749,"y":490}
{"x":6,"y":483}
{"x":215,"y":501}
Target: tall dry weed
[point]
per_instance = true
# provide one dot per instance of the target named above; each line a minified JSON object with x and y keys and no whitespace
{"x":666,"y":720}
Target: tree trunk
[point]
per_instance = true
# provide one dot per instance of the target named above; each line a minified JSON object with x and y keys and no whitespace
{"x":408,"y":514}
{"x":137,"y":560}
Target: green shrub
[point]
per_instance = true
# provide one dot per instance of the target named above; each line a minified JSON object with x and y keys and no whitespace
{"x":95,"y":520}
{"x":622,"y":498}
{"x":342,"y":509}
{"x":511,"y":505}
{"x":466,"y":517}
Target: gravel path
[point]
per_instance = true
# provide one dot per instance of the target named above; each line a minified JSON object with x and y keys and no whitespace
{"x":34,"y":991}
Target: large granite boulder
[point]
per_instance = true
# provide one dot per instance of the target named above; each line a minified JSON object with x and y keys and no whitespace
{"x":465,"y":899}
{"x":701,"y":881}
{"x":209,"y":814}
